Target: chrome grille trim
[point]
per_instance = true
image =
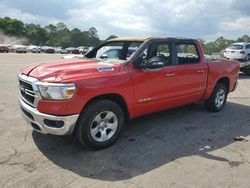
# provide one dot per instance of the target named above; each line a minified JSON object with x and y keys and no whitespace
{"x":32,"y":93}
{"x":29,"y":92}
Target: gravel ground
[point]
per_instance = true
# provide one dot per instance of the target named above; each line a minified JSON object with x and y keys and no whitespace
{"x":183,"y":147}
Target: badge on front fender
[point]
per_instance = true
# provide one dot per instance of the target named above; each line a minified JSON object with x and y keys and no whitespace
{"x":105,"y":69}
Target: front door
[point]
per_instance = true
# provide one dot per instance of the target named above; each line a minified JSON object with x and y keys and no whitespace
{"x":154,"y":87}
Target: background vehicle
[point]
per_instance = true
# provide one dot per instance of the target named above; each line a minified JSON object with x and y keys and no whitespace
{"x":108,"y":52}
{"x":94,"y":97}
{"x":29,"y":48}
{"x":63,"y":51}
{"x":239,"y":51}
{"x":58,"y":49}
{"x":48,"y":49}
{"x":113,"y":52}
{"x":4,"y":48}
{"x":83,"y":49}
{"x":72,"y":50}
{"x":43,"y":48}
{"x":19,"y":48}
{"x":34,"y":49}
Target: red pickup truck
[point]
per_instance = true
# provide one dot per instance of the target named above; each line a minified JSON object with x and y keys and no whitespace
{"x":94,"y":96}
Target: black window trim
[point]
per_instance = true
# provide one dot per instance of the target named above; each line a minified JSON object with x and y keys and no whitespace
{"x":148,"y":44}
{"x":124,"y":49}
{"x":187,"y":42}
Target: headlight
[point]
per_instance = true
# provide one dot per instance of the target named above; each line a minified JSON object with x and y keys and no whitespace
{"x":52,"y":91}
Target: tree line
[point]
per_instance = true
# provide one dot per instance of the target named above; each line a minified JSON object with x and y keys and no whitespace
{"x":50,"y":35}
{"x":220,"y":44}
{"x":60,"y":35}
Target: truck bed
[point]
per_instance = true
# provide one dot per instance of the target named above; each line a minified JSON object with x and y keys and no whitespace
{"x":225,"y":68}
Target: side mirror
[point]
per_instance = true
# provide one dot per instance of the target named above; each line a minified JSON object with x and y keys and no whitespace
{"x":154,"y":64}
{"x":103,"y":56}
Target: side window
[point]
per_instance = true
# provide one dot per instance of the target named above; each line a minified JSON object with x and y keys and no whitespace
{"x":114,"y":53}
{"x":161,"y":52}
{"x":156,"y":52}
{"x":187,"y":53}
{"x":248,"y":46}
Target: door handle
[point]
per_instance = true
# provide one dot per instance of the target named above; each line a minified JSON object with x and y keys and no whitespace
{"x":169,"y":74}
{"x":200,"y":70}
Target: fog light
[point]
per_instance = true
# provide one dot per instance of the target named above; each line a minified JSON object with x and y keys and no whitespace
{"x":54,"y":124}
{"x":35,"y":126}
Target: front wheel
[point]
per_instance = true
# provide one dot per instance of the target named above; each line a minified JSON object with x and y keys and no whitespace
{"x":218,"y":98}
{"x":100,"y":124}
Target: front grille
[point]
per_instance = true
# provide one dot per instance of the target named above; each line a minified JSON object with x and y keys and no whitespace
{"x":27,"y":91}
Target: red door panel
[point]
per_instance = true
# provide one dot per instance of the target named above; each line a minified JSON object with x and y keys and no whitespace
{"x":154,"y":89}
{"x":191,"y":80}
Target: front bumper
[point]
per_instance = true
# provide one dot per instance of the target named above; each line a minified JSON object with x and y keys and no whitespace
{"x":38,"y":120}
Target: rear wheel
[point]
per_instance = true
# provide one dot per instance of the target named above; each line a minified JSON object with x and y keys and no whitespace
{"x":245,"y":70}
{"x":100,"y":124}
{"x":247,"y":57}
{"x":218,"y":98}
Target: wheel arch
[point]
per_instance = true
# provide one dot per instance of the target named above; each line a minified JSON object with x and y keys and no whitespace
{"x":224,"y":80}
{"x":117,"y":98}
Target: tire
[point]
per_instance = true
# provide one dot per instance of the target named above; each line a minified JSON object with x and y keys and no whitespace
{"x":246,"y":71}
{"x":247,"y":57}
{"x":218,"y":99}
{"x":99,"y":124}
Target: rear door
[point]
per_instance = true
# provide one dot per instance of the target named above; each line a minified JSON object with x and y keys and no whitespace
{"x":191,"y":72}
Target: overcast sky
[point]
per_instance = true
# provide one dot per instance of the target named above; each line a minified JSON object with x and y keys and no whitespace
{"x":206,"y":19}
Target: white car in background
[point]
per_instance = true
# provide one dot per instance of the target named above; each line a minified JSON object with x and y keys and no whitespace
{"x":34,"y":49}
{"x":239,"y":51}
{"x":19,"y":48}
{"x":58,"y":49}
{"x":107,"y":52}
{"x":113,"y":52}
{"x":83,"y":49}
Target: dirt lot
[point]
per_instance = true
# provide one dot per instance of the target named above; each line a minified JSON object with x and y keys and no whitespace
{"x":183,"y":147}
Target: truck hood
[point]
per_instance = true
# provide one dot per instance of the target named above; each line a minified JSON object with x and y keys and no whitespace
{"x":63,"y":70}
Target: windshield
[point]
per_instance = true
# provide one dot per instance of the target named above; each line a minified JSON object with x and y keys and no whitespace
{"x":236,"y":47}
{"x":115,"y":50}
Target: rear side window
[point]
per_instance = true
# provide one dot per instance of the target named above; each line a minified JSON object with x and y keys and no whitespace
{"x":187,"y":53}
{"x":236,"y":47}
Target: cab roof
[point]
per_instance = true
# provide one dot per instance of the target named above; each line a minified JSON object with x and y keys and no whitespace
{"x":143,"y":38}
{"x":136,"y":38}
